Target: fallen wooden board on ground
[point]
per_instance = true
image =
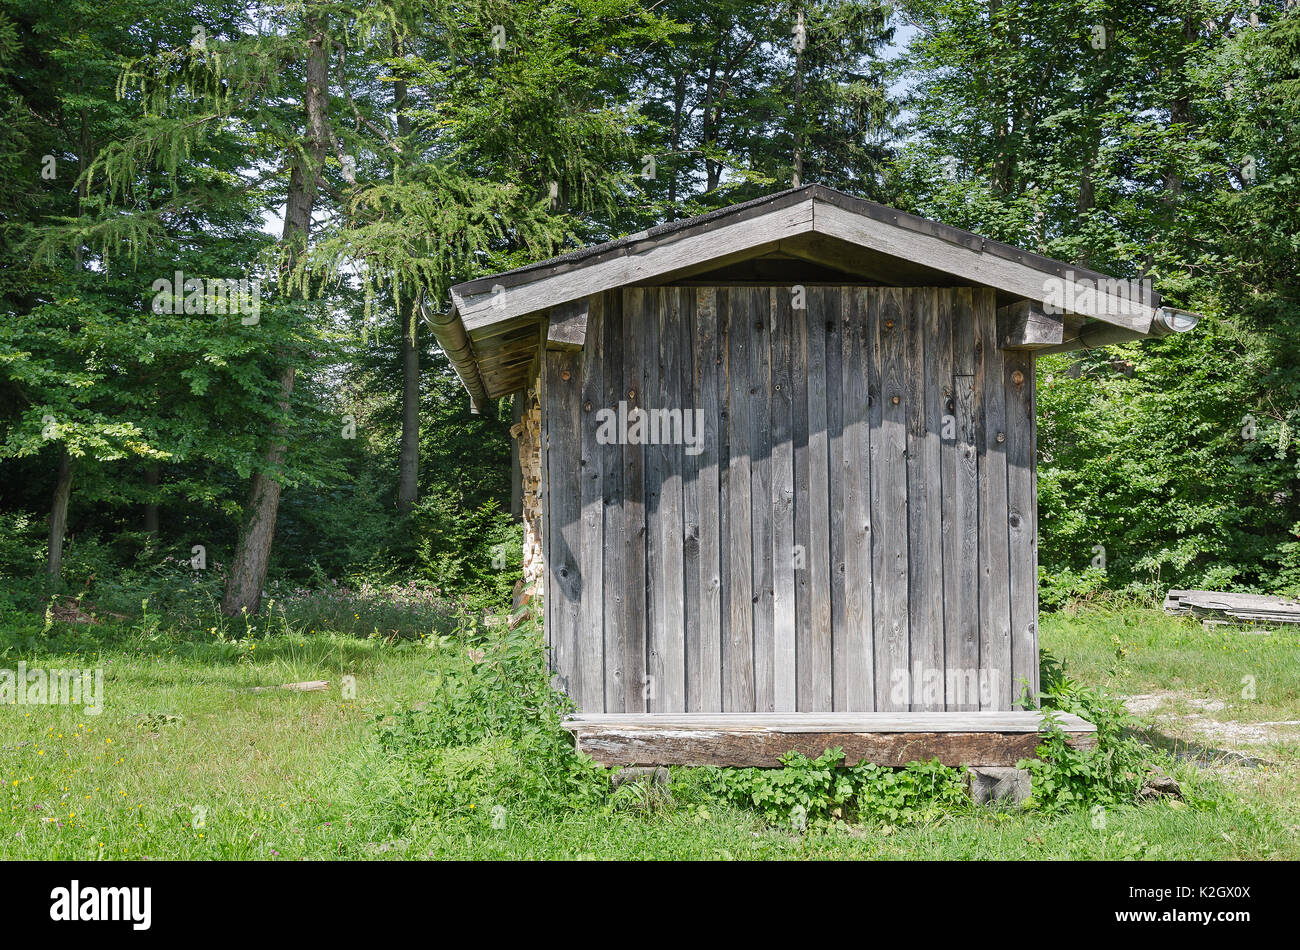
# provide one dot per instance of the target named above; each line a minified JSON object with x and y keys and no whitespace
{"x":746,"y":740}
{"x":311,"y":686}
{"x":1215,"y":606}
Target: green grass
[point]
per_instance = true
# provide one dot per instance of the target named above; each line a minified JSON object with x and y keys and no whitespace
{"x":1255,"y":674}
{"x":284,"y":775}
{"x":1138,"y":650}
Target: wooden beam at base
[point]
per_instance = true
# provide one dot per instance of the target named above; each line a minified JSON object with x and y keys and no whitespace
{"x":747,"y":740}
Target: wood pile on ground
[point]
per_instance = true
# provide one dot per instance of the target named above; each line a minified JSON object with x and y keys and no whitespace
{"x":1214,"y":607}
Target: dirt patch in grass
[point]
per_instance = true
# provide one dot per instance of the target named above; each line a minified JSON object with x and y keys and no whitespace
{"x":1185,"y":720}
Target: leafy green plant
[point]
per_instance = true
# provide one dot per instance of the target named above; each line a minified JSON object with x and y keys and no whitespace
{"x":1064,"y":777}
{"x":819,"y":787}
{"x":920,"y":792}
{"x":488,"y":740}
{"x":813,"y":792}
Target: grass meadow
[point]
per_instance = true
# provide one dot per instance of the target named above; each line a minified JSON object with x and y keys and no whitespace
{"x":425,"y":745}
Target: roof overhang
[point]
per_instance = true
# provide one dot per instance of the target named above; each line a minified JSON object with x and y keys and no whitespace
{"x":492,"y":324}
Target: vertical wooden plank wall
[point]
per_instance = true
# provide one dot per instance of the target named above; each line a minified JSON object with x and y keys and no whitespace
{"x":738,"y":579}
{"x":604,"y":360}
{"x":890,"y":511}
{"x":853,"y":526}
{"x":813,"y":649}
{"x":632,"y":540}
{"x":784,"y":611}
{"x":704,"y":678}
{"x":562,"y":438}
{"x":589,"y":652}
{"x":961,"y":511}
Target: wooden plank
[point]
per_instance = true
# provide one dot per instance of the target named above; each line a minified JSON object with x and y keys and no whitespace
{"x":784,"y":609}
{"x":566,"y":328}
{"x":543,"y":451}
{"x":508,"y":381}
{"x":948,"y":442}
{"x":1016,"y":720}
{"x":691,"y":454}
{"x":751,"y":231}
{"x":653,"y":258}
{"x":589,"y":633}
{"x":654,"y":478}
{"x":799,"y":440}
{"x":616,"y":539}
{"x":995,"y":584}
{"x":889,"y":504}
{"x":669,"y":642}
{"x":760,"y":472}
{"x":920,"y":633}
{"x":990,"y":270}
{"x":1025,"y":326}
{"x":722,"y":380}
{"x":873,"y":356}
{"x":859,"y":265}
{"x":925,"y":488}
{"x":509,"y":348}
{"x":1187,"y":601}
{"x":963,"y":331}
{"x":854,"y":661}
{"x":764,"y":749}
{"x":488,"y":336}
{"x":564,"y":569}
{"x":835,"y":330}
{"x":634,"y":524}
{"x":816,"y":647}
{"x":1018,"y":378}
{"x":704,"y":684}
{"x":961,"y":537}
{"x":738,"y":651}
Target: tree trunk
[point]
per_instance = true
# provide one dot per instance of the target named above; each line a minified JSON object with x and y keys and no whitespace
{"x":408,"y":465}
{"x":679,"y":103}
{"x":152,"y":475}
{"x":707,"y":118}
{"x":257,"y":529}
{"x":1180,"y":113}
{"x":796,"y":174}
{"x":1086,"y":197}
{"x":1007,"y":121}
{"x":59,"y":515}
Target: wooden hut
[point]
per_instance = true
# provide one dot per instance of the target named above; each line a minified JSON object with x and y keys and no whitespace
{"x":779,"y":478}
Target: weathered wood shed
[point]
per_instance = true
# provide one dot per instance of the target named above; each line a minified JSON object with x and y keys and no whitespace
{"x":779,"y":475}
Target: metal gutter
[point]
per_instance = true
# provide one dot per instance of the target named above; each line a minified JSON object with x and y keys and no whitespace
{"x":450,"y":333}
{"x":1167,"y":321}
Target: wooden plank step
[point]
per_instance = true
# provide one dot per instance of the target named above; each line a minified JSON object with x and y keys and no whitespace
{"x":984,"y":738}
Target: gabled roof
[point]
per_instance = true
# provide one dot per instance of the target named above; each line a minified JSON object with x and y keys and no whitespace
{"x":490,"y":334}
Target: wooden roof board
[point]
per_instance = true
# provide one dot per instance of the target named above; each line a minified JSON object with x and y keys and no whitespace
{"x":491,"y":300}
{"x":733,"y":234}
{"x":828,"y":230}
